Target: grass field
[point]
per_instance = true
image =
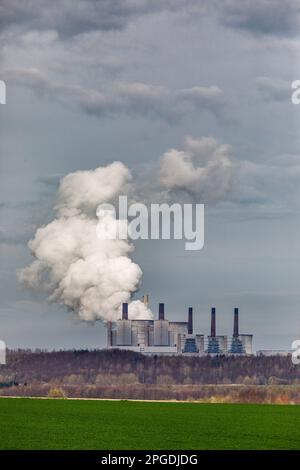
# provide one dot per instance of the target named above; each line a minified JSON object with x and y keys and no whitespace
{"x":110,"y":425}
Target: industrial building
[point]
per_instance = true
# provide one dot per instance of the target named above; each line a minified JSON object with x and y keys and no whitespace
{"x":240,"y":343}
{"x":216,"y":344}
{"x":275,"y":352}
{"x":162,"y":336}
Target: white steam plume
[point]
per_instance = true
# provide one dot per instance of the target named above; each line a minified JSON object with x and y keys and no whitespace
{"x":88,"y":275}
{"x":203,"y":170}
{"x":92,"y":275}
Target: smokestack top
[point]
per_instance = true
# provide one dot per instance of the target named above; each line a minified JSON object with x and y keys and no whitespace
{"x":125,"y":311}
{"x":161,"y":311}
{"x":190,"y":321}
{"x":236,"y":323}
{"x":146,"y":300}
{"x":213,"y":322}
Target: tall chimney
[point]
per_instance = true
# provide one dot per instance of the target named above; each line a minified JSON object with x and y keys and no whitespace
{"x":190,"y":321}
{"x":213,"y":323}
{"x":125,"y":311}
{"x":236,"y":323}
{"x":161,"y":311}
{"x":146,"y":300}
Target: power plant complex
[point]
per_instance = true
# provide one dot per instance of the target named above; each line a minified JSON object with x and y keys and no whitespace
{"x":162,"y":336}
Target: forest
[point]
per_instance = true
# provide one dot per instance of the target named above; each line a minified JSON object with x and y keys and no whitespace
{"x":126,"y":374}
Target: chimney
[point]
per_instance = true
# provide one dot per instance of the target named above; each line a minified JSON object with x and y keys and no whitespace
{"x":161,"y":311}
{"x":213,"y":323}
{"x":190,"y":321}
{"x":146,"y":300}
{"x":125,"y":311}
{"x":236,"y":323}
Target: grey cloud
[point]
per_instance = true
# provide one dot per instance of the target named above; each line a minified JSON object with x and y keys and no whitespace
{"x":133,"y":98}
{"x":261,"y":17}
{"x":127,"y":98}
{"x":70,"y":18}
{"x":273,"y":89}
{"x":275,"y":181}
{"x":145,"y":99}
{"x":211,"y":98}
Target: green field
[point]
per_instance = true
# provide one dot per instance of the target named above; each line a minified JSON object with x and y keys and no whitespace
{"x":110,"y":425}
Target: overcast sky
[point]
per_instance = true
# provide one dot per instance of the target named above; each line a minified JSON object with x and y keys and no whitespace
{"x":129,"y":80}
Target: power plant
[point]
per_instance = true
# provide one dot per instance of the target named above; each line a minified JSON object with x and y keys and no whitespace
{"x":162,"y":336}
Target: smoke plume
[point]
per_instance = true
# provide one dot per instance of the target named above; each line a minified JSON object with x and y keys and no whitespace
{"x":92,"y":274}
{"x":203,"y":170}
{"x":89,"y":275}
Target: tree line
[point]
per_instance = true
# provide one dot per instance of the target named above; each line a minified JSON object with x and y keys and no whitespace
{"x":126,"y":374}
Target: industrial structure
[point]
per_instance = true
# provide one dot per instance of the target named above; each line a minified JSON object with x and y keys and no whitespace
{"x":274,"y":352}
{"x":162,"y":336}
